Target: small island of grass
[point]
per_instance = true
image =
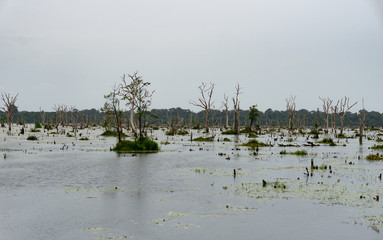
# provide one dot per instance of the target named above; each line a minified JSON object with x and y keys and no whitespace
{"x":144,"y":145}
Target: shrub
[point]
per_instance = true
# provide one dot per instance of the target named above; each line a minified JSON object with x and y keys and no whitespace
{"x":32,"y":138}
{"x":144,"y":145}
{"x":37,"y":124}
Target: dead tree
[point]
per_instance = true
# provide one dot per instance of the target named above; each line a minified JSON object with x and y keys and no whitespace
{"x":290,"y":106}
{"x":344,"y":108}
{"x":73,"y":118}
{"x":334,"y":112}
{"x":236,"y":108}
{"x":327,"y":102}
{"x":226,"y":106}
{"x":112,"y":110}
{"x":139,"y":98}
{"x":42,"y":115}
{"x":9,"y":108}
{"x":205,"y":101}
{"x":362,"y":121}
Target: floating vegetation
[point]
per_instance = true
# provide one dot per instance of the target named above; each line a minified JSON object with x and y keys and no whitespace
{"x":203,"y":139}
{"x":177,"y":214}
{"x":374,"y":157}
{"x":229,"y":132}
{"x":377,"y":147}
{"x":298,"y":152}
{"x":109,"y":133}
{"x":84,"y":139}
{"x":32,"y":138}
{"x":254,"y":143}
{"x":327,"y":141}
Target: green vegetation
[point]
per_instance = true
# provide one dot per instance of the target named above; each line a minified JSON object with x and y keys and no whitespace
{"x":32,"y":138}
{"x":109,"y":133}
{"x":254,"y":143}
{"x":374,"y":157}
{"x":226,"y":140}
{"x":37,"y":124}
{"x":327,"y":141}
{"x":84,"y":139}
{"x":202,"y":139}
{"x":341,"y":135}
{"x":176,"y":132}
{"x":298,"y":152}
{"x":377,"y":147}
{"x":229,"y":132}
{"x":143,"y":146}
{"x":35,"y":130}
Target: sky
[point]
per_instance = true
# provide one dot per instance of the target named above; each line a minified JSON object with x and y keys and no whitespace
{"x":72,"y":52}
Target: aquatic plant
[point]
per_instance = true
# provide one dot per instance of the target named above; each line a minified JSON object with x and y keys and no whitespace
{"x":229,"y":132}
{"x":254,"y":143}
{"x":83,"y":139}
{"x":377,"y":147}
{"x":109,"y":133}
{"x":32,"y":138}
{"x":298,"y":152}
{"x":374,"y":157}
{"x":143,"y":145}
{"x":37,"y":124}
{"x":203,"y":139}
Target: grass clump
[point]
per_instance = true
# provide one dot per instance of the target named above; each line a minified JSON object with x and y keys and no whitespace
{"x":144,"y":145}
{"x":203,"y":139}
{"x":374,"y":157}
{"x":298,"y":152}
{"x":326,"y":141}
{"x":229,"y":132}
{"x":109,"y":133}
{"x":32,"y":138}
{"x":254,"y":143}
{"x":84,"y":139}
{"x":377,"y":147}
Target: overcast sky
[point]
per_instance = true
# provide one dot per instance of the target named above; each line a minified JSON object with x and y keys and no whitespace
{"x":73,"y":51}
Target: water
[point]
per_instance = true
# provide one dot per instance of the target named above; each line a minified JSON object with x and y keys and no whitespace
{"x":88,"y":192}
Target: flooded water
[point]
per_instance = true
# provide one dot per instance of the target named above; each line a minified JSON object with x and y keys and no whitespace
{"x":80,"y":190}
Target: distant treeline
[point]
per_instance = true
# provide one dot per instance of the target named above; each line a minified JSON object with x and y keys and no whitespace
{"x":186,"y":118}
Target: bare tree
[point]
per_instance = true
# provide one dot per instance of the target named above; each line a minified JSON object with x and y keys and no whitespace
{"x":42,"y":115}
{"x":226,"y":106}
{"x":362,"y":121}
{"x":73,"y":116}
{"x":205,"y":101}
{"x":112,"y":109}
{"x":327,"y":102}
{"x":139,"y":98}
{"x":9,"y":107}
{"x":344,"y":108}
{"x":290,"y":106}
{"x":236,"y":104}
{"x":334,"y":112}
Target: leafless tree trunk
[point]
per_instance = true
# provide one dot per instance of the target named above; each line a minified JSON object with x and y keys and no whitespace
{"x":236,"y":104}
{"x":334,"y":112}
{"x":42,"y":115}
{"x":362,"y":121}
{"x":73,"y":115}
{"x":344,"y":108}
{"x":9,"y":108}
{"x":205,"y":101}
{"x":327,"y":102}
{"x":290,"y":106}
{"x":226,"y":106}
